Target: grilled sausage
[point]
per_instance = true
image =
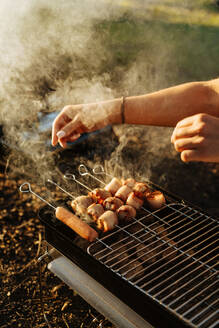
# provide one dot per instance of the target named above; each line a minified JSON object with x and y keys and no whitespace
{"x":73,"y":222}
{"x":95,"y":211}
{"x":112,"y":203}
{"x":155,"y":200}
{"x":107,"y":221}
{"x":123,"y":192}
{"x":98,"y":195}
{"x":134,"y":201}
{"x":113,"y":186}
{"x":126,"y":213}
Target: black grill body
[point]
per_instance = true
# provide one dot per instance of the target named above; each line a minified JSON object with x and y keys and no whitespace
{"x":181,"y":245}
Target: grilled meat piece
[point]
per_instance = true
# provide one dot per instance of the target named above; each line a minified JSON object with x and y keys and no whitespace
{"x":126,"y":213}
{"x":129,"y":182}
{"x":107,"y":221}
{"x":140,"y":189}
{"x":98,"y":195}
{"x":80,"y":204}
{"x":113,"y":186}
{"x":73,"y":222}
{"x":112,"y":203}
{"x":155,"y":199}
{"x":95,"y":211}
{"x":123,"y":193}
{"x":134,"y":201}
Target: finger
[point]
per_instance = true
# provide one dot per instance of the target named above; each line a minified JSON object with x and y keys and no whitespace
{"x":192,"y":155}
{"x":183,"y":132}
{"x":72,"y":138}
{"x":73,"y":127}
{"x":58,"y":123}
{"x":185,"y":143}
{"x":186,"y":121}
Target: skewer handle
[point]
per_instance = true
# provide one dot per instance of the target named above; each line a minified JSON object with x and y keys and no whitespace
{"x":26,"y":187}
{"x":84,"y":171}
{"x":99,"y":169}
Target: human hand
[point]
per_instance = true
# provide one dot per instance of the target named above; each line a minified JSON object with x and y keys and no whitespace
{"x":74,"y":120}
{"x":197,"y":138}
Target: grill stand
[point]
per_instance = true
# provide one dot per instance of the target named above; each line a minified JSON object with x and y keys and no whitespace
{"x":95,"y":294}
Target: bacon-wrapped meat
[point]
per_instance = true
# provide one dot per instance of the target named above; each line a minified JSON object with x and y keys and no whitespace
{"x":129,"y":182}
{"x":95,"y":211}
{"x":113,"y":186}
{"x":98,"y":195}
{"x":126,"y":213}
{"x":107,"y":221}
{"x":155,"y":200}
{"x":140,"y":189}
{"x":73,"y":222}
{"x":112,"y":203}
{"x":134,"y":201}
{"x":123,"y":193}
{"x":80,"y":204}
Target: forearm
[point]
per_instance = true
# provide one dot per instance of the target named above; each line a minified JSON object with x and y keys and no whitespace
{"x":168,"y":106}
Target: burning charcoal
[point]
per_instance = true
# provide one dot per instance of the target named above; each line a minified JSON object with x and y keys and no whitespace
{"x":133,"y":270}
{"x":134,"y":201}
{"x":147,"y":253}
{"x":112,"y":203}
{"x":170,"y":252}
{"x":113,"y":186}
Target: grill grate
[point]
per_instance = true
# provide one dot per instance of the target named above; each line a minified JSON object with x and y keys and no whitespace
{"x":172,"y":256}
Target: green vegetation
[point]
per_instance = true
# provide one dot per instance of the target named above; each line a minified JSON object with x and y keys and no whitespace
{"x":179,"y":39}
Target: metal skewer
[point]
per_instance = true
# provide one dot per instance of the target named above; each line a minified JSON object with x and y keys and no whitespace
{"x":28,"y":189}
{"x":70,"y":176}
{"x":65,"y":191}
{"x":99,"y":169}
{"x":84,"y":171}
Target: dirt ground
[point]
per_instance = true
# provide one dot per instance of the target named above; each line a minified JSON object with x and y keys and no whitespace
{"x":21,"y":243}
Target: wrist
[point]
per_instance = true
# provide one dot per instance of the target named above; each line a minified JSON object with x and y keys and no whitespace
{"x":116,"y":111}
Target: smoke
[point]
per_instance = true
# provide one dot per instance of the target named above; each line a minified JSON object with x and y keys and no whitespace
{"x":69,"y":52}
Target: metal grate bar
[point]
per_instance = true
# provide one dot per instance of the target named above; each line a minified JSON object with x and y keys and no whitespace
{"x":213,"y":325}
{"x":173,"y":260}
{"x":132,"y":224}
{"x":190,"y":290}
{"x":177,"y":257}
{"x":180,"y":255}
{"x":164,"y":242}
{"x":205,"y":309}
{"x":186,"y":267}
{"x":176,"y":290}
{"x":203,"y":322}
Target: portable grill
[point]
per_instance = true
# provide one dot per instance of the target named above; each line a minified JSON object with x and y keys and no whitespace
{"x":160,"y":269}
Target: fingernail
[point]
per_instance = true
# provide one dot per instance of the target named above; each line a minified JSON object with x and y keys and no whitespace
{"x":60,"y":134}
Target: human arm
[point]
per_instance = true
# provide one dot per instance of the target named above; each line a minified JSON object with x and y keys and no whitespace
{"x":162,"y":108}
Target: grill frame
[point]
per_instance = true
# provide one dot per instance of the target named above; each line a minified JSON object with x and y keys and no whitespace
{"x":62,"y":238}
